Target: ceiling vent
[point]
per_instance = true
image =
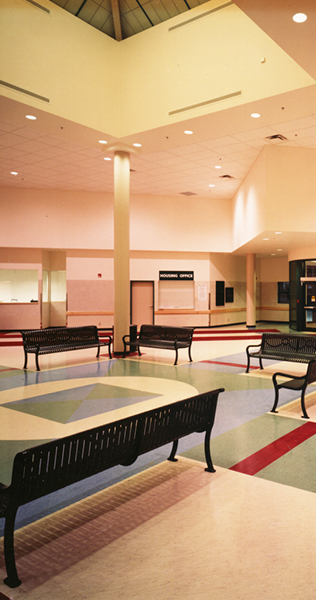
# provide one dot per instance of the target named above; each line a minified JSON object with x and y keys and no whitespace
{"x":188,"y":193}
{"x":276,"y":137}
{"x":226,"y":177}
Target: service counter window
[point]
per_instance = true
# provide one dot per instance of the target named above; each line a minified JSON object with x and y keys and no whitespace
{"x":176,"y":294}
{"x":18,"y":285}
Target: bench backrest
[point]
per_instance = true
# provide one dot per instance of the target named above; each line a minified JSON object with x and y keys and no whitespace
{"x":55,"y":336}
{"x":279,"y":342}
{"x":165,"y":332}
{"x":54,"y":465}
{"x":288,"y":343}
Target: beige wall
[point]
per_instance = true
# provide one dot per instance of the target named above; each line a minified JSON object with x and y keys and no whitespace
{"x":69,"y":219}
{"x":132,"y":86}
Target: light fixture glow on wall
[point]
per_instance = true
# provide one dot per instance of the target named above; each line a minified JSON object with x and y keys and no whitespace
{"x":107,"y":158}
{"x":218,"y":167}
{"x":14,"y":173}
{"x":102,"y":142}
{"x":137,"y":145}
{"x":188,"y":132}
{"x":255,"y":115}
{"x":31,"y":117}
{"x":299,"y":18}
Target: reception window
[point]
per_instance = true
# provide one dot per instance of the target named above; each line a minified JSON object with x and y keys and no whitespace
{"x":18,"y":285}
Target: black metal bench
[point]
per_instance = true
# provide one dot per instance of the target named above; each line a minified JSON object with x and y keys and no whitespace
{"x":61,"y":339}
{"x":295,"y":382}
{"x":161,"y":336}
{"x":54,"y":465}
{"x":283,"y":347}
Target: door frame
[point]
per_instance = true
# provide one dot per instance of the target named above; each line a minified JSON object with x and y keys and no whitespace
{"x":131,"y":296}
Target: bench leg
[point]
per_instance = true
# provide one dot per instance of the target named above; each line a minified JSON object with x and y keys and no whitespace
{"x":173,"y":452}
{"x":36,"y":359}
{"x":207,"y":449}
{"x":305,"y":415}
{"x":276,"y":400}
{"x":12,"y":579}
{"x":25,"y":360}
{"x":176,"y":359}
{"x":190,"y":357}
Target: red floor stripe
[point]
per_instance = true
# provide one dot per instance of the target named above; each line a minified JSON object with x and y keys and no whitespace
{"x":227,"y":364}
{"x":224,"y":338}
{"x":264,"y":457}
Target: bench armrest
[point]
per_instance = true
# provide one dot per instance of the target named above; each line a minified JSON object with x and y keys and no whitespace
{"x":253,"y":346}
{"x":286,"y":376}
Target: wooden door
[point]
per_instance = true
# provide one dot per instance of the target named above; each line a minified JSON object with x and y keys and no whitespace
{"x":142,"y":303}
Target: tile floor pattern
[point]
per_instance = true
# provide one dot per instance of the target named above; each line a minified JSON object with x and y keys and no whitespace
{"x":165,"y":530}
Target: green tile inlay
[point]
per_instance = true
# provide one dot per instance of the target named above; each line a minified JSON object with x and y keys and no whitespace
{"x":56,"y":411}
{"x":296,"y":468}
{"x":101,"y":390}
{"x":233,"y":446}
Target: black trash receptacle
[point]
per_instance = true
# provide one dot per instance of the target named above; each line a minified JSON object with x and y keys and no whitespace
{"x":133,"y":336}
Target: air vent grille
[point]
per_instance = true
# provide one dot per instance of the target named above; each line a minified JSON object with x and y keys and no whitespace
{"x":277,"y":136}
{"x":205,"y":103}
{"x":213,"y":10}
{"x":27,"y":92}
{"x":43,"y":8}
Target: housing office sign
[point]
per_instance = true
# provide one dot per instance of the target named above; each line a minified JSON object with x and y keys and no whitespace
{"x":176,"y":275}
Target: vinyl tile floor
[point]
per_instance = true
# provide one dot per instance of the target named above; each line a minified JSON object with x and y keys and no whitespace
{"x":163,"y":530}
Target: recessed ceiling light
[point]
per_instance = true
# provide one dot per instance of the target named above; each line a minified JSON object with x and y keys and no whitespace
{"x":255,"y":115}
{"x":188,"y":132}
{"x":272,"y":254}
{"x":279,"y":249}
{"x":31,"y":117}
{"x":107,"y":158}
{"x":102,"y":142}
{"x":218,"y":167}
{"x":211,"y":185}
{"x":14,"y":173}
{"x":278,"y":232}
{"x":137,"y":145}
{"x":265,"y":239}
{"x":299,"y":18}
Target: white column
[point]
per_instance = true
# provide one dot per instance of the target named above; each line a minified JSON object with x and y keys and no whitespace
{"x":121,"y":248}
{"x":251,"y":290}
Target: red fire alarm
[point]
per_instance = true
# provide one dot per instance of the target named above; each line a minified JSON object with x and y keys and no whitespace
{"x":99,"y":275}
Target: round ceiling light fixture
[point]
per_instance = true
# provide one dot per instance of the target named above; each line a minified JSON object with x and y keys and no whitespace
{"x":299,"y":18}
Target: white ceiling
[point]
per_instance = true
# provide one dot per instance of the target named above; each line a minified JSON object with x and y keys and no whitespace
{"x":52,"y":153}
